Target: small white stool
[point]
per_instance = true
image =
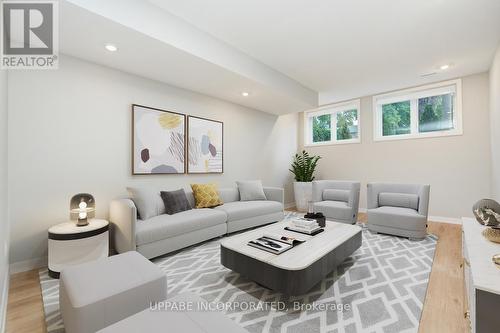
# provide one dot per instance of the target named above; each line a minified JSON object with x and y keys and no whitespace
{"x":99,"y":293}
{"x":72,"y":245}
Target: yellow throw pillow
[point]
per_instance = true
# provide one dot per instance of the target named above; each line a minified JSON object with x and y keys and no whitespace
{"x":206,"y":195}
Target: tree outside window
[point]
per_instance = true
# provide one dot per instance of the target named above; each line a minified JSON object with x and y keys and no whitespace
{"x":435,"y":113}
{"x":396,"y":118}
{"x":321,"y":126}
{"x":347,"y":125}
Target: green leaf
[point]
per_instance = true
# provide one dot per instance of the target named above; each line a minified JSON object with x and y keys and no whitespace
{"x":303,"y":166}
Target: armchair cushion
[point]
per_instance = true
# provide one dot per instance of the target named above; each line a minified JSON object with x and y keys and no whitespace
{"x":334,"y":210}
{"x":336,"y":195}
{"x":404,"y":200}
{"x":397,"y":217}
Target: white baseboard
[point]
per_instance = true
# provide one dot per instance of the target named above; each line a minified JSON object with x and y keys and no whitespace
{"x":28,"y":265}
{"x":440,"y":219}
{"x":289,"y":205}
{"x":3,"y":302}
{"x":444,"y":219}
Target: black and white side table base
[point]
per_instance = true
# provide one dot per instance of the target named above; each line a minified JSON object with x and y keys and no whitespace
{"x":72,"y":245}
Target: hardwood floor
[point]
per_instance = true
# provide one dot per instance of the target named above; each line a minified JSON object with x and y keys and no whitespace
{"x":443,"y":308}
{"x":444,"y":303}
{"x":25,"y":306}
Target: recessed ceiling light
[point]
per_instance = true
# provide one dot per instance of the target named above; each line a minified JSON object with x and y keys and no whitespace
{"x":443,"y":67}
{"x":111,"y":48}
{"x":245,"y":94}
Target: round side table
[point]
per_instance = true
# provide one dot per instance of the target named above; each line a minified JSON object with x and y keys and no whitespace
{"x":71,"y":245}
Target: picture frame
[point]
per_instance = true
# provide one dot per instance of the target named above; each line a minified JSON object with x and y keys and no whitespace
{"x":158,"y":141}
{"x":205,"y":146}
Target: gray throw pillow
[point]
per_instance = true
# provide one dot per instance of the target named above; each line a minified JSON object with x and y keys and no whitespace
{"x":404,"y":200}
{"x":336,"y":195}
{"x":251,"y":190}
{"x":175,"y":201}
{"x":147,"y":200}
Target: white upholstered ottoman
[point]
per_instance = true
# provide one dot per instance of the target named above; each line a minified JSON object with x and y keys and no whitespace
{"x":97,"y":294}
{"x":196,"y":320}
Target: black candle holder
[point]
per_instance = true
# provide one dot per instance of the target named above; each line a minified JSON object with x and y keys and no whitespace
{"x":319,"y":217}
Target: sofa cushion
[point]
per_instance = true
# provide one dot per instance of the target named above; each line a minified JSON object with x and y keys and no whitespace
{"x":175,"y":201}
{"x":206,"y":195}
{"x":147,"y":200}
{"x":404,"y":200}
{"x":239,"y":210}
{"x":397,"y":217}
{"x":251,"y":190}
{"x":334,"y":210}
{"x":166,"y":226}
{"x":229,"y":194}
{"x":336,"y":195}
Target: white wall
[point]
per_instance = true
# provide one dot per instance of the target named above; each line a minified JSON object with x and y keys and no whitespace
{"x":495,"y":124}
{"x":69,"y":132}
{"x":456,"y":167}
{"x":4,"y":217}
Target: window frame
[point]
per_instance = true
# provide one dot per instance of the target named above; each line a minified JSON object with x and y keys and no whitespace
{"x":413,"y":94}
{"x":333,"y":110}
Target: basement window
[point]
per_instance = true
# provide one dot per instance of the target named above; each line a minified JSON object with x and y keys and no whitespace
{"x":429,"y":111}
{"x":333,"y":124}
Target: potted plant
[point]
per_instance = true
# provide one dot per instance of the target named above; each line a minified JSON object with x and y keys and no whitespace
{"x":303,"y":168}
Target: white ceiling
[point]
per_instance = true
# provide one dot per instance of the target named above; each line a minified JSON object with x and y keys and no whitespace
{"x":346,"y":49}
{"x":157,"y":45}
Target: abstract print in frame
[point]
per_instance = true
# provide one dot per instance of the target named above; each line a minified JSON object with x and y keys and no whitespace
{"x":205,"y":145}
{"x":158,"y":141}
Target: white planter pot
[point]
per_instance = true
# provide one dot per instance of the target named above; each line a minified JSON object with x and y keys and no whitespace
{"x":303,"y":194}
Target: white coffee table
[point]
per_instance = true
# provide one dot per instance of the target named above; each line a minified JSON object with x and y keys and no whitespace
{"x":297,"y":270}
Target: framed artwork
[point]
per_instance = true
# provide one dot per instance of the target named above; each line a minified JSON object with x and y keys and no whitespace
{"x":158,"y":141}
{"x":205,"y":145}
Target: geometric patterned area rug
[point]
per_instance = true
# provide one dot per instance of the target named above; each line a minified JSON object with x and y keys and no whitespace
{"x":380,"y":288}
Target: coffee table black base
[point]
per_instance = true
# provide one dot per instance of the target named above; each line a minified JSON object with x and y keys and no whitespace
{"x":289,"y":282}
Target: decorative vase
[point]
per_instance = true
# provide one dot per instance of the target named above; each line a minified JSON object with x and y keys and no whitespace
{"x":303,"y":194}
{"x":496,"y":260}
{"x":487,"y":212}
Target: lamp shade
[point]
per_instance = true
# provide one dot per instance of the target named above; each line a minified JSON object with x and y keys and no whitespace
{"x":82,"y":207}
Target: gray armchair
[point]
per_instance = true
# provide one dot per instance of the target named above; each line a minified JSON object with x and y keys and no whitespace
{"x":398,"y":209}
{"x":337,"y":200}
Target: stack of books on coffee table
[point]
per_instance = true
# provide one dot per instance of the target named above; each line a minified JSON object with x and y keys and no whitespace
{"x":305,"y":226}
{"x":275,"y":243}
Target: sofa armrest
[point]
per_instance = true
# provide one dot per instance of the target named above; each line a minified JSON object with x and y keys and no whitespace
{"x":423,"y":200}
{"x":123,"y":216}
{"x":354,"y":196}
{"x":275,"y":194}
{"x":372,"y":191}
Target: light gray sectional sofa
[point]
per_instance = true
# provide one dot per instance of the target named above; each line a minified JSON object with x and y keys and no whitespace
{"x":398,"y":209}
{"x":160,"y":233}
{"x":337,"y":200}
